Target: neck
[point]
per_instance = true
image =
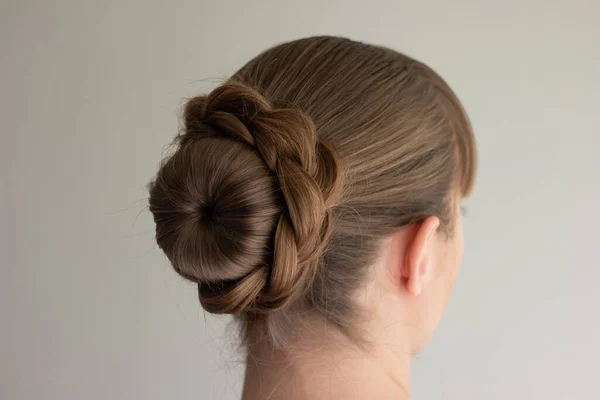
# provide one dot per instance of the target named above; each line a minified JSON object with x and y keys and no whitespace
{"x":321,"y":372}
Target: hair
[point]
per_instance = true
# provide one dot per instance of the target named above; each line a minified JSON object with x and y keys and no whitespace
{"x":286,"y":179}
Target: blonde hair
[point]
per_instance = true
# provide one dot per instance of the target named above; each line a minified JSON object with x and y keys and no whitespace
{"x":287,"y":178}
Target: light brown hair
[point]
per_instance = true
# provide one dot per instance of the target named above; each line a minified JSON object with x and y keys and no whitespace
{"x":286,"y":179}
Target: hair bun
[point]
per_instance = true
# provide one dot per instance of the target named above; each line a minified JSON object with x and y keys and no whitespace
{"x":243,"y":205}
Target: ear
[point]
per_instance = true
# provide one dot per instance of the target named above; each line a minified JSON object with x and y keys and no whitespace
{"x":417,"y":263}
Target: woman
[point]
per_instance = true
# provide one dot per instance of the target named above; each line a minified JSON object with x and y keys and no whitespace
{"x":316,"y":197}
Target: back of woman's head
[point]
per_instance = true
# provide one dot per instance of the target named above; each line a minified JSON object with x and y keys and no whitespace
{"x":287,"y":178}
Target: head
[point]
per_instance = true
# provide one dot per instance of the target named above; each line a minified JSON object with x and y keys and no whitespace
{"x":319,"y":189}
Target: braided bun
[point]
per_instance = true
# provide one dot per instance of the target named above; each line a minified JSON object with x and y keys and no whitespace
{"x":243,"y":206}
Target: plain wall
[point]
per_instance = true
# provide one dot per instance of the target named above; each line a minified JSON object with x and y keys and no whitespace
{"x":90,"y":94}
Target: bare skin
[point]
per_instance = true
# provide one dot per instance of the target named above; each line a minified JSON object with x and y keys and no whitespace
{"x":349,"y":374}
{"x":404,"y":300}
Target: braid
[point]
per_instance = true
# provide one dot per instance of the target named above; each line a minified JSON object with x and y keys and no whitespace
{"x":308,"y":178}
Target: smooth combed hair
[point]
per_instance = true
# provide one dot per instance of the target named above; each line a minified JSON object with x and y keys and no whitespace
{"x":287,"y":178}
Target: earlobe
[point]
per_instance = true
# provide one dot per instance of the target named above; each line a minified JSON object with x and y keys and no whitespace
{"x":417,"y":263}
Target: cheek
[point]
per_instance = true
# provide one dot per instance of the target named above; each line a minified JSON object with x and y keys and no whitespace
{"x":459,"y":247}
{"x":456,"y":242}
{"x":453,"y":259}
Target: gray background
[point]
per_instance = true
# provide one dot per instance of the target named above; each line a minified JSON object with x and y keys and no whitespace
{"x":90,"y":93}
